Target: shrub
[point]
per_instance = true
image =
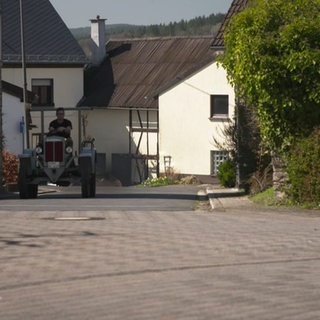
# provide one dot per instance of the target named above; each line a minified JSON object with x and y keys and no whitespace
{"x":303,"y":168}
{"x":265,"y":198}
{"x":9,"y":167}
{"x":227,"y":173}
{"x":261,"y":180}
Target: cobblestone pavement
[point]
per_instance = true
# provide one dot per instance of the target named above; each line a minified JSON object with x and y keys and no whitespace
{"x":243,"y":262}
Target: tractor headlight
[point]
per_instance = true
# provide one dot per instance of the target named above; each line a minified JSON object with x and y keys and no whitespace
{"x":38,"y":150}
{"x":69,"y":149}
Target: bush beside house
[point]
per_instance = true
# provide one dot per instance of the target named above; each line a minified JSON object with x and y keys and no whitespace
{"x":281,"y":87}
{"x":303,"y":168}
{"x":227,"y":173}
{"x":9,"y":167}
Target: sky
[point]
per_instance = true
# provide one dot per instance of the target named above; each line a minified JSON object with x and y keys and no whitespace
{"x":77,"y":13}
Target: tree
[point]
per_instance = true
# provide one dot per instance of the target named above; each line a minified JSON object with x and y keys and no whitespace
{"x":1,"y":128}
{"x":273,"y":58}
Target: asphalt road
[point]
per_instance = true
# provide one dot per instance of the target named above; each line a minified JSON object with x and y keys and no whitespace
{"x":169,"y":198}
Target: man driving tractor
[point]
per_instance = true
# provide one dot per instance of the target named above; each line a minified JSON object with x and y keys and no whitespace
{"x":60,"y":126}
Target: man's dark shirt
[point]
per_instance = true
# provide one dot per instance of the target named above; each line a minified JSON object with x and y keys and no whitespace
{"x":55,"y":124}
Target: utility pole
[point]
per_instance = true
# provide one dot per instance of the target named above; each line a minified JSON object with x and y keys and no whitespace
{"x":24,"y":68}
{"x":1,"y":130}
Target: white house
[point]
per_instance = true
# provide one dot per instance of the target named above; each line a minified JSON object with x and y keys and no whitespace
{"x":13,"y":113}
{"x":144,"y":100}
{"x":192,"y":114}
{"x":161,"y":102}
{"x":157,"y":98}
{"x":54,"y":64}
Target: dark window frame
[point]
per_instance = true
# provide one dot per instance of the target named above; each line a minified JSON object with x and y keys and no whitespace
{"x":43,"y":92}
{"x":219,"y":109}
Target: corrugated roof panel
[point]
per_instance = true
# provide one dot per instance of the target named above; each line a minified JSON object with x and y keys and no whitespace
{"x":140,"y":67}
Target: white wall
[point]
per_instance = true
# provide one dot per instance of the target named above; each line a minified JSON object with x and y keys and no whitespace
{"x":67,"y":82}
{"x":67,"y":90}
{"x":110,"y":128}
{"x":110,"y":132}
{"x":186,"y":130}
{"x":13,"y":111}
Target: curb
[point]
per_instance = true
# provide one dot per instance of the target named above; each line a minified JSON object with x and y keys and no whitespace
{"x":202,"y":195}
{"x":214,"y":195}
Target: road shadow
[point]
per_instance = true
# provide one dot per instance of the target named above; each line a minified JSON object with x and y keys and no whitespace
{"x":161,"y":193}
{"x":161,"y":196}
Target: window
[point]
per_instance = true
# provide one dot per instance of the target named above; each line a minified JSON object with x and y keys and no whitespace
{"x":217,"y":157}
{"x":219,"y":106}
{"x":43,"y":91}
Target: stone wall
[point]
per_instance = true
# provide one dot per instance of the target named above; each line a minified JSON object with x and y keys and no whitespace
{"x":280,"y":177}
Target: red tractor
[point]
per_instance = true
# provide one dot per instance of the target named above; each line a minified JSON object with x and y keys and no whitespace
{"x":54,"y":161}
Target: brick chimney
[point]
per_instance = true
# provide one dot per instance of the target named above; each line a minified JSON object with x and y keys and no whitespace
{"x":98,"y":36}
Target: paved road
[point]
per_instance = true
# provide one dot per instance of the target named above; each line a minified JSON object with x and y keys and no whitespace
{"x":239,"y":262}
{"x":169,"y":198}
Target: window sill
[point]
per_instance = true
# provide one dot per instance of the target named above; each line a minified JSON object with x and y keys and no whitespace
{"x":220,"y":118}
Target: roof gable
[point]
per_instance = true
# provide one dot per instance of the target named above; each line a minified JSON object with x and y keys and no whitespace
{"x":236,"y":7}
{"x":47,"y":38}
{"x":135,"y":69}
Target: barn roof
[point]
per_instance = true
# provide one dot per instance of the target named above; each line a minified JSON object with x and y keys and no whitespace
{"x":135,"y":69}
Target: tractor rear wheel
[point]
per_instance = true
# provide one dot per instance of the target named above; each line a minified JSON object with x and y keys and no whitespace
{"x":88,"y":179}
{"x":22,"y":182}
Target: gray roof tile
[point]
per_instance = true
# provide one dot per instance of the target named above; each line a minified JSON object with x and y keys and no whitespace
{"x":47,"y":38}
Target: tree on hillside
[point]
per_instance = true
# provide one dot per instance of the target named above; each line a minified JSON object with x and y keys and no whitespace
{"x":197,"y":26}
{"x":273,"y":58}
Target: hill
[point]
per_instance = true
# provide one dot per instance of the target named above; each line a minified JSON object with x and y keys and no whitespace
{"x":202,"y":25}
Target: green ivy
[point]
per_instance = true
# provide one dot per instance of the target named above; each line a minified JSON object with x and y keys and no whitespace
{"x":304,"y":171}
{"x":272,"y":57}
